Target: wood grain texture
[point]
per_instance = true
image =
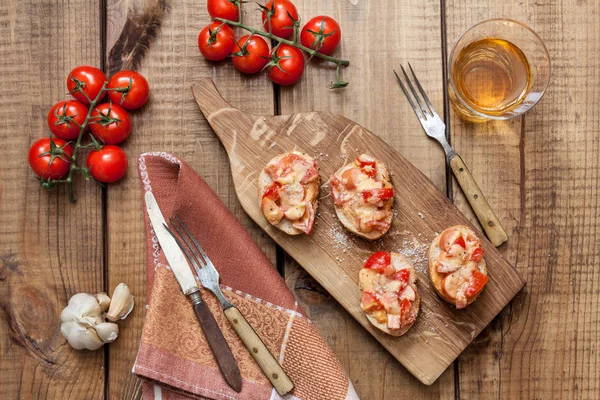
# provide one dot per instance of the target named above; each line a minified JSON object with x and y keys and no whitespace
{"x":50,"y":249}
{"x":170,"y":122}
{"x":374,"y":100}
{"x":332,"y":256}
{"x":541,"y":173}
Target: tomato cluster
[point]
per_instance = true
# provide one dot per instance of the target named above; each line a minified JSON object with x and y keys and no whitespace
{"x":251,"y":53}
{"x":53,"y":158}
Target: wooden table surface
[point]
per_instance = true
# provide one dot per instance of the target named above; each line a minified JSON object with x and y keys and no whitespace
{"x":541,"y":173}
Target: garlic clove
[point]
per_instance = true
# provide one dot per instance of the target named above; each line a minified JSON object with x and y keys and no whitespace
{"x":121,"y":304}
{"x":103,"y":301}
{"x":107,"y":331}
{"x":80,"y":337}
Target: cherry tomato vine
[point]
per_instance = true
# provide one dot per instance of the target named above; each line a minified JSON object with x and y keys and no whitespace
{"x":319,"y":37}
{"x":54,"y":160}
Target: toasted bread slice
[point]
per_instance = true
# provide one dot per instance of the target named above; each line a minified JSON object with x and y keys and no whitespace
{"x":347,"y":213}
{"x":437,"y":278}
{"x":399,"y":262}
{"x":312,"y":192}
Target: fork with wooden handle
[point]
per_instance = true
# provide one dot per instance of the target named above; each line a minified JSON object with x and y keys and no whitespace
{"x":435,"y":128}
{"x":209,"y":277}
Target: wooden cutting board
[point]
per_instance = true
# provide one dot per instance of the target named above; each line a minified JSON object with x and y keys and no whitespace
{"x":332,"y":255}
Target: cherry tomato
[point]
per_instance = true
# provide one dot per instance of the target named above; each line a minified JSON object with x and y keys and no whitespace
{"x":370,"y":302}
{"x":276,"y":13}
{"x":378,"y":194}
{"x":273,"y":191}
{"x":378,"y":261}
{"x":403,"y":275}
{"x":477,"y":254}
{"x":289,"y":65}
{"x":250,"y":54}
{"x":63,"y":118}
{"x":50,"y":158}
{"x":226,"y":9}
{"x":368,"y":168}
{"x":110,"y":123}
{"x":108,"y":164}
{"x":321,"y":33}
{"x":478,"y":281}
{"x":461,"y":242}
{"x":216,"y":41}
{"x":133,"y":89}
{"x":87,"y":79}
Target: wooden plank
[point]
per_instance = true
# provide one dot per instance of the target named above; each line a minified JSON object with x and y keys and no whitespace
{"x":171,"y":122}
{"x":376,"y":37}
{"x":50,"y":249}
{"x":541,"y":173}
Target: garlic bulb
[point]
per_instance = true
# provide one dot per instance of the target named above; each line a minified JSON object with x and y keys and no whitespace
{"x":121,"y":304}
{"x":83,"y":323}
{"x":78,"y":320}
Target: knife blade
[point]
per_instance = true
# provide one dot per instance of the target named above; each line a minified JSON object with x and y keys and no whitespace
{"x":181,"y":269}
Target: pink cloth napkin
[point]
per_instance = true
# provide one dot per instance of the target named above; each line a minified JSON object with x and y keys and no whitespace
{"x":173,"y":357}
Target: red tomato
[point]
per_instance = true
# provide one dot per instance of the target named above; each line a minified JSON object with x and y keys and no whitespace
{"x":273,"y":191}
{"x":50,"y":158}
{"x":216,"y":41}
{"x":403,"y":275}
{"x":478,"y":281}
{"x":378,"y":261}
{"x":378,"y":194}
{"x":88,"y":80}
{"x":288,"y":65}
{"x":368,"y":168}
{"x":110,"y":123}
{"x":322,"y":34}
{"x":369,"y":301}
{"x":250,"y":54}
{"x":108,"y":164}
{"x":276,"y":17}
{"x":226,"y":9}
{"x":65,"y":119}
{"x":477,"y":254}
{"x":461,"y":242}
{"x":133,"y":89}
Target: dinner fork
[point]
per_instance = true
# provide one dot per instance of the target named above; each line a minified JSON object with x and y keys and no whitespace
{"x":435,"y":128}
{"x":209,"y":277}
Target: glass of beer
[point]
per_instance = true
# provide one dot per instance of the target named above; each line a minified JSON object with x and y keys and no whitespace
{"x":499,"y":69}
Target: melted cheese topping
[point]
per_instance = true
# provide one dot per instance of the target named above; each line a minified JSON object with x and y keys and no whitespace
{"x":297,"y":177}
{"x":385,"y":294}
{"x":348,"y":189}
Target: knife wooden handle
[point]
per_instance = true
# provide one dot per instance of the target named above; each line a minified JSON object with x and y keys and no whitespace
{"x":486,"y":216}
{"x":225,"y":360}
{"x":263,"y":357}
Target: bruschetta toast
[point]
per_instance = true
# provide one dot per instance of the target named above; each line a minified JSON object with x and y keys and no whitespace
{"x":288,"y":189}
{"x":456,"y":265}
{"x":388,"y":292}
{"x":363,"y":195}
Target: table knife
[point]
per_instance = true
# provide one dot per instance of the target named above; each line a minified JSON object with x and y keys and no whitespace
{"x":181,"y":269}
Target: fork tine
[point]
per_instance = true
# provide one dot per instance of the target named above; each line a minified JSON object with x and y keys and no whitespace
{"x":195,"y":242}
{"x":183,"y":248}
{"x":422,"y":91}
{"x":408,"y":97}
{"x":414,"y":92}
{"x":186,"y":239}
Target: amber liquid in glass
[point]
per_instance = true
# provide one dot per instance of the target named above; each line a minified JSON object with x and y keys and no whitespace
{"x":492,"y":75}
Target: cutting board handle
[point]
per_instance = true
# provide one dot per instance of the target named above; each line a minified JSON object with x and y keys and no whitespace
{"x":212,"y":104}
